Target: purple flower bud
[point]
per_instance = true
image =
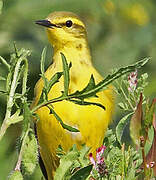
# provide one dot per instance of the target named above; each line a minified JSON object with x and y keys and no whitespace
{"x":92,"y":159}
{"x":132,"y":79}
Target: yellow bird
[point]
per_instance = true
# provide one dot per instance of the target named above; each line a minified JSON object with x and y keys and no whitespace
{"x":67,"y":34}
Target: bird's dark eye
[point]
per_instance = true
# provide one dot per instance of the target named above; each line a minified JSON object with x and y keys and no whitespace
{"x":69,"y":23}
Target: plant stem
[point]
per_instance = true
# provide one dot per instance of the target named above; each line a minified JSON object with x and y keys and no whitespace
{"x":3,"y":129}
{"x":7,"y":119}
{"x":123,"y":162}
{"x":126,"y":98}
{"x":4,"y":62}
{"x":45,"y":103}
{"x":142,"y":145}
{"x":25,"y":75}
{"x":18,"y":164}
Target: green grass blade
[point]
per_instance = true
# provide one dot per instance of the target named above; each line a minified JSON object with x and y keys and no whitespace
{"x":66,"y":74}
{"x":82,"y":174}
{"x":120,"y":127}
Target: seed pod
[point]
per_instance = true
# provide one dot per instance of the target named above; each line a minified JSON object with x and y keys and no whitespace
{"x":16,"y":175}
{"x":30,"y":155}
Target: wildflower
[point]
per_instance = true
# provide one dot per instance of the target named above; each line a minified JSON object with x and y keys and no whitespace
{"x":151,"y":164}
{"x":132,"y":79}
{"x":99,"y":154}
{"x":99,"y":165}
{"x":92,"y":160}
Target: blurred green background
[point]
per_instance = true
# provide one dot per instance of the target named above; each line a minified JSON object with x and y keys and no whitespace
{"x":119,"y":33}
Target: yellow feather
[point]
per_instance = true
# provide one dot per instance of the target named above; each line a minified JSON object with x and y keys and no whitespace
{"x":92,"y":121}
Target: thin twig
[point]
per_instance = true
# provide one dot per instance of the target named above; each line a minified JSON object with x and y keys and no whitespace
{"x":4,"y":62}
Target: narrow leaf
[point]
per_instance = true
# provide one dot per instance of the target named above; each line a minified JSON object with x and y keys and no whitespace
{"x":66,"y":163}
{"x":2,"y":59}
{"x":149,"y":114}
{"x":151,"y":156}
{"x":2,"y":78}
{"x":90,"y":85}
{"x":110,"y":78}
{"x":48,"y":85}
{"x":16,"y":175}
{"x":135,"y":123}
{"x":54,"y":80}
{"x":30,"y":154}
{"x":120,"y":127}
{"x":82,"y":174}
{"x":43,"y":57}
{"x":27,"y":119}
{"x":65,"y":126}
{"x":65,"y":73}
{"x":16,"y":117}
{"x":81,"y":102}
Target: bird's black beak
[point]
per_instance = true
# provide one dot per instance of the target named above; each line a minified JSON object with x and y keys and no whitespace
{"x":46,"y":23}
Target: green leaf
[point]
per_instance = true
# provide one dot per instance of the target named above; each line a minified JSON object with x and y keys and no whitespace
{"x":148,"y":143}
{"x":65,"y":126}
{"x":83,"y":173}
{"x":60,"y":152}
{"x":120,"y":127}
{"x":27,"y":118}
{"x":16,"y":117}
{"x":90,"y":85}
{"x":83,"y":158}
{"x":66,"y":74}
{"x":48,"y":85}
{"x":151,"y":156}
{"x":89,"y":92}
{"x":44,"y":92}
{"x":30,"y":154}
{"x":43,"y":56}
{"x":66,"y":163}
{"x":149,"y":113}
{"x":121,"y":105}
{"x":86,"y":103}
{"x":16,"y":175}
{"x":55,"y":78}
{"x":4,"y":61}
{"x":135,"y":123}
{"x":4,"y":92}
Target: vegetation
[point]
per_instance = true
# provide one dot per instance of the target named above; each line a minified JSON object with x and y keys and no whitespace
{"x":119,"y":158}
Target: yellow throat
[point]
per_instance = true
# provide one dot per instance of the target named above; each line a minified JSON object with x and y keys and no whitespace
{"x":67,"y":34}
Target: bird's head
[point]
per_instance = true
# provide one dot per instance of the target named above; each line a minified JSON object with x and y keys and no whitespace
{"x":63,"y":28}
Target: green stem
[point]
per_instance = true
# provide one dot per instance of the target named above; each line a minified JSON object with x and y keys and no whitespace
{"x":127,"y":99}
{"x":58,"y":99}
{"x":25,"y":75}
{"x":3,"y":129}
{"x":61,"y":98}
{"x":7,"y":119}
{"x":123,"y":162}
{"x":142,"y":146}
{"x":18,"y":164}
{"x":4,"y":62}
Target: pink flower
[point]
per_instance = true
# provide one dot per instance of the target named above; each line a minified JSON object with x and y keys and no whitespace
{"x":99,"y":154}
{"x":92,"y":159}
{"x":99,"y":164}
{"x":132,"y":79}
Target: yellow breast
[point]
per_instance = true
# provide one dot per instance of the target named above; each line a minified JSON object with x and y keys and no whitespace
{"x":67,"y":34}
{"x":92,"y":121}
